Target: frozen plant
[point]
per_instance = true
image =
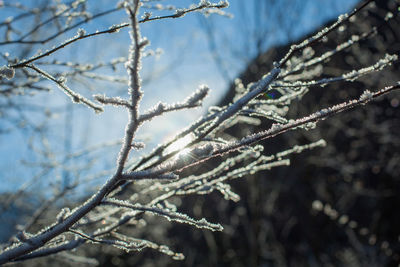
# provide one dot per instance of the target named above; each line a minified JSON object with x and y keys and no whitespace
{"x":181,"y":166}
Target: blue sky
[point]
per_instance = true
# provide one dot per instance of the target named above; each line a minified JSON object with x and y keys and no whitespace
{"x":185,"y":64}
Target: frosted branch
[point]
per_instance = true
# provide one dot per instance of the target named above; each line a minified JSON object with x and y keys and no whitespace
{"x":170,"y":215}
{"x":116,"y":101}
{"x":192,"y":101}
{"x":77,"y":98}
{"x":182,"y":12}
{"x":318,"y":36}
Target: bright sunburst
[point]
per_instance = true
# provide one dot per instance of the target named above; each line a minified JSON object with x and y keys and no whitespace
{"x":179,"y":145}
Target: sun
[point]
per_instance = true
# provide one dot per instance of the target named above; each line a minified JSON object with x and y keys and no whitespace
{"x":179,"y":145}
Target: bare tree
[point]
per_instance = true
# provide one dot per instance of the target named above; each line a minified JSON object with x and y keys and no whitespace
{"x":200,"y":159}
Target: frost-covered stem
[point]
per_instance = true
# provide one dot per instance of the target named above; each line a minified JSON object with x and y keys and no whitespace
{"x":77,"y":98}
{"x":350,"y":76}
{"x":51,"y":51}
{"x":162,"y":109}
{"x":159,"y":150}
{"x":53,"y":250}
{"x":116,"y":101}
{"x":42,"y":238}
{"x":113,"y":29}
{"x":327,"y":55}
{"x":134,"y":86}
{"x":47,"y":21}
{"x":160,"y":174}
{"x":261,"y":87}
{"x":257,"y":89}
{"x":55,"y":35}
{"x":183,"y":133}
{"x":170,"y":215}
{"x":275,"y":130}
{"x":183,"y":12}
{"x":193,"y":101}
{"x":321,"y":34}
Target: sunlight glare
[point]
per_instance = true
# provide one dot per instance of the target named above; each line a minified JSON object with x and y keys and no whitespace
{"x":179,"y":145}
